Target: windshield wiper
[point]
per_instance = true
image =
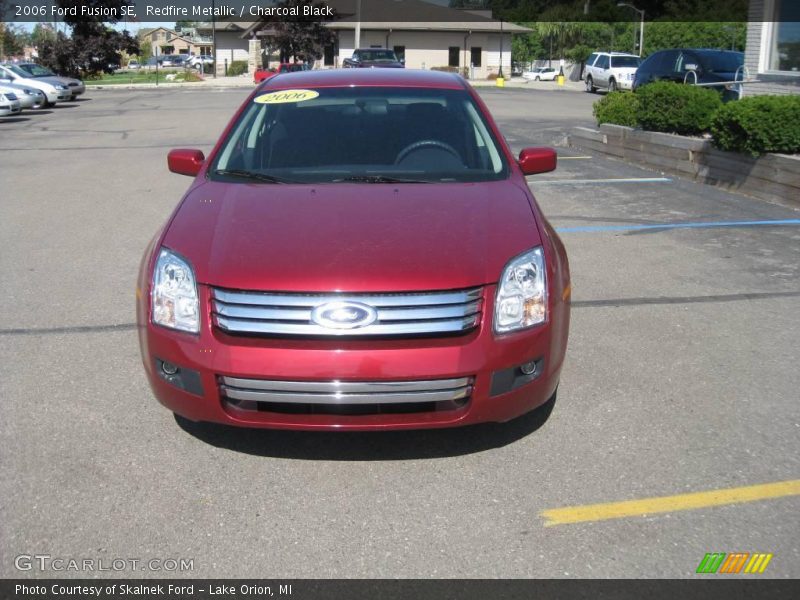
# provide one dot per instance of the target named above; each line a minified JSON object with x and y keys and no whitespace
{"x":377,"y":179}
{"x":252,"y":175}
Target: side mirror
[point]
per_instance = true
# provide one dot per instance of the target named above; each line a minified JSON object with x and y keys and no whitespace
{"x":537,"y":160}
{"x":185,"y":162}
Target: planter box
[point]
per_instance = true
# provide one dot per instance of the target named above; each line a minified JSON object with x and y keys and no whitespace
{"x":773,"y":177}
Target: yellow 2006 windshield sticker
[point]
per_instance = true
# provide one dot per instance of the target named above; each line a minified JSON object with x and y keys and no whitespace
{"x":285,"y":96}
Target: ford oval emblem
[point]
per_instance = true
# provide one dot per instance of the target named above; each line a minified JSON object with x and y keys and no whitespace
{"x":343,"y":315}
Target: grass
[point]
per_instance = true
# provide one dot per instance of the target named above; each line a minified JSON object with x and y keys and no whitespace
{"x":129,"y":77}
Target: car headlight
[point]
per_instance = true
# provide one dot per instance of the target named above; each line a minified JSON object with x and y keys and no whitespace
{"x":174,"y":301}
{"x":61,"y":87}
{"x":521,"y":299}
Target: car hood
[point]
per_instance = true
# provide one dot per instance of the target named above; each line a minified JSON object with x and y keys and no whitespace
{"x":51,"y":81}
{"x":64,"y":80}
{"x":352,"y":237}
{"x":21,"y":88}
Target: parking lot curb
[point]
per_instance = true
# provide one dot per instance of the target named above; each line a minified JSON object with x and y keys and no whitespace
{"x":771,"y":177}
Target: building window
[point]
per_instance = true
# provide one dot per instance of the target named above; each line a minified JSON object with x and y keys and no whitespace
{"x":475,"y":56}
{"x":327,"y":55}
{"x":452,"y":56}
{"x":784,"y":53}
{"x":400,"y":52}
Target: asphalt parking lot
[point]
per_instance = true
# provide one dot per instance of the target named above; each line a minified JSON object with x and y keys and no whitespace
{"x":681,"y":377}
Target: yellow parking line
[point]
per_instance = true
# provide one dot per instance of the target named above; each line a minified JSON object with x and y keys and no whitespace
{"x":649,"y":506}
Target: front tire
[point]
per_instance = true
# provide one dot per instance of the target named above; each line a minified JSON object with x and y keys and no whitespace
{"x":590,"y":85}
{"x":612,"y":85}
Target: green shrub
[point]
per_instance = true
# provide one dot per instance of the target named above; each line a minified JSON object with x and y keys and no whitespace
{"x":618,"y":108}
{"x":237,"y":67}
{"x":759,"y":124}
{"x":676,"y":108}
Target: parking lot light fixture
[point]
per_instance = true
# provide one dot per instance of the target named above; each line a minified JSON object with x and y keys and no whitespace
{"x":641,"y":24}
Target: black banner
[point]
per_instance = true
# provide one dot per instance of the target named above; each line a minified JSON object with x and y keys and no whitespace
{"x":395,"y":12}
{"x":404,"y":589}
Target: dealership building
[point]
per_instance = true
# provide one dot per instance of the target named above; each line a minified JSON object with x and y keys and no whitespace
{"x":772,"y":54}
{"x":423,"y":35}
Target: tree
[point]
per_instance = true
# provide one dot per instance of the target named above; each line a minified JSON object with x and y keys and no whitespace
{"x":300,"y":37}
{"x":93,"y":47}
{"x":526,"y":47}
{"x":145,"y":51}
{"x":13,"y":40}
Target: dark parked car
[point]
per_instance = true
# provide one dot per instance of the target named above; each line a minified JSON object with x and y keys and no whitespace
{"x":372,"y":57}
{"x":693,"y":65}
{"x":372,"y":259}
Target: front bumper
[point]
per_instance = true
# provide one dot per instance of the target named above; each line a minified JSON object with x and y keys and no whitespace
{"x":479,"y":371}
{"x":10,"y":108}
{"x":58,"y":96}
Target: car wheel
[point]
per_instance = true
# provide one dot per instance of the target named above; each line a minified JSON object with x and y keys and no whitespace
{"x":589,"y":87}
{"x":537,"y":79}
{"x":612,"y":85}
{"x":41,"y":104}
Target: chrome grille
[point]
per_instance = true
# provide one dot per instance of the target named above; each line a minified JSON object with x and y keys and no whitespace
{"x":427,"y":313}
{"x":338,"y":393}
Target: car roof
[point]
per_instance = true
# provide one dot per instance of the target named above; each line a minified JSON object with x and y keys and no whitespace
{"x":366,"y":77}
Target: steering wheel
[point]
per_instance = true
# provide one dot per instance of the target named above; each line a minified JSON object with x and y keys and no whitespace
{"x":424,"y":144}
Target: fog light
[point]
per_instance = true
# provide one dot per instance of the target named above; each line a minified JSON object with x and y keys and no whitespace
{"x":529,"y":368}
{"x":169,"y":368}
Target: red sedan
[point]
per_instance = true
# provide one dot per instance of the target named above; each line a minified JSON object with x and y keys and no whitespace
{"x":360,"y":251}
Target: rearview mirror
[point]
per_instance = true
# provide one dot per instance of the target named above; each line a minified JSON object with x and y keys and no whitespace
{"x":537,"y":160}
{"x":185,"y":162}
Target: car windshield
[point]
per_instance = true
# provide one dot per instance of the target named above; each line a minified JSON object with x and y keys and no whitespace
{"x":625,"y":61}
{"x":721,"y":62}
{"x":361,"y":134}
{"x":377,"y":55}
{"x":37,"y":71}
{"x":17,"y":71}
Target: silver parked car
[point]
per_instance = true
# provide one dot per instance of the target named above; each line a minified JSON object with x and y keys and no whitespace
{"x":9,"y":105}
{"x":54,"y":91}
{"x":28,"y":97}
{"x":76,"y":86}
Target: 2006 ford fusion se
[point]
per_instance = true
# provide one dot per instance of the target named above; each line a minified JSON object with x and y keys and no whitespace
{"x":360,"y":251}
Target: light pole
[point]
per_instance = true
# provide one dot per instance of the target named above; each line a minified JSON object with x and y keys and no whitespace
{"x":213,"y":40}
{"x":501,"y":48}
{"x":641,"y":26}
{"x":357,"y":37}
